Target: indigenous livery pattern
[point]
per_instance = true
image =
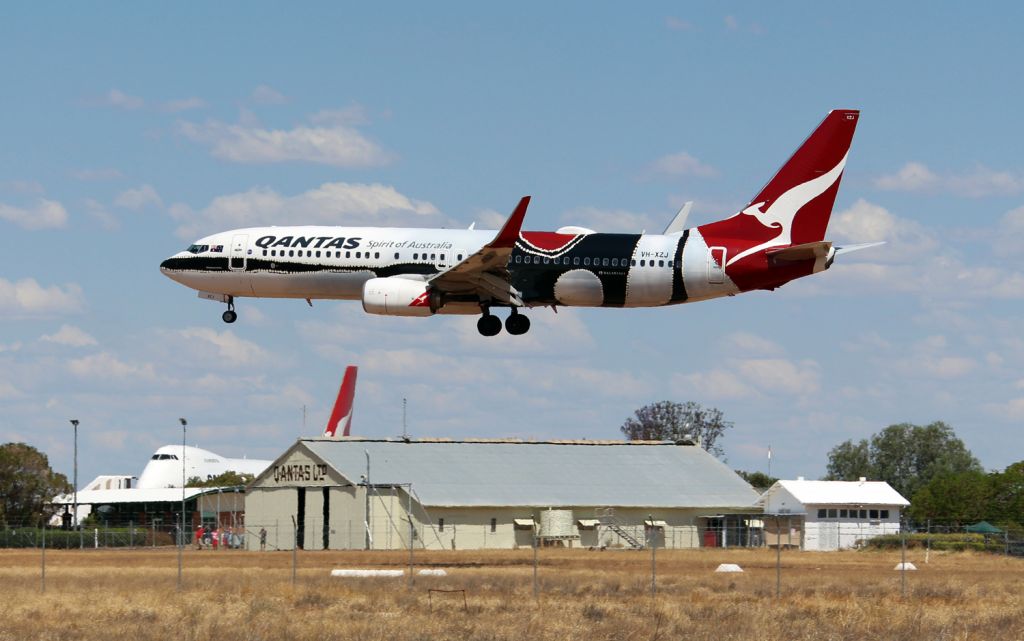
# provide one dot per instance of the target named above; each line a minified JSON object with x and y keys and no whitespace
{"x":777,"y":237}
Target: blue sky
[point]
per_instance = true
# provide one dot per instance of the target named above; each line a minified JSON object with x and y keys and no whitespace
{"x":128,"y":132}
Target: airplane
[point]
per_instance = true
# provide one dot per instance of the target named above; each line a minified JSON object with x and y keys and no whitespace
{"x":778,"y":237}
{"x":165,"y":466}
{"x":342,"y":412}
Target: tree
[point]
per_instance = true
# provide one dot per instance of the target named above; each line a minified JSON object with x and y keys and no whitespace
{"x":224,"y":479}
{"x":961,"y":497}
{"x":849,"y":461}
{"x":671,"y":421}
{"x":27,"y":484}
{"x":1006,"y":502}
{"x":758,"y":480}
{"x":906,"y":456}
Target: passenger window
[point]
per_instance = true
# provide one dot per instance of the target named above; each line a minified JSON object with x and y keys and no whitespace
{"x":517,"y":259}
{"x":576,"y":260}
{"x":546,"y":260}
{"x":264,"y":252}
{"x":460,"y":256}
{"x":586,"y":261}
{"x":615,"y":262}
{"x":376,"y":254}
{"x":309,"y":253}
{"x":416,"y":256}
{"x":318,"y":253}
{"x":604,"y":262}
{"x":359,"y":254}
{"x":396,"y":255}
{"x":632,"y":262}
{"x":661,"y":263}
{"x":442,"y":256}
{"x":291,"y":252}
{"x":348,"y":254}
{"x":669,"y":263}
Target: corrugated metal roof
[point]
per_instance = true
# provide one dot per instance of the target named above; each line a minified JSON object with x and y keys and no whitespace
{"x":843,"y":492}
{"x":132,"y":495}
{"x":518,"y":473}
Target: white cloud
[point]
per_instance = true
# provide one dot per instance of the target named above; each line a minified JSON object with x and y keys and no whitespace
{"x":751,"y":344}
{"x":98,"y":211}
{"x":138,"y":198}
{"x":716,"y":384}
{"x":10,"y":347}
{"x":865,"y":222}
{"x":348,"y":117}
{"x":977,"y":183}
{"x":1009,"y":238}
{"x":46,"y":214}
{"x":338,"y":146}
{"x":682,"y":164}
{"x":267,"y":95}
{"x":230,"y":348}
{"x":183,"y":104}
{"x":69,"y":335}
{"x":328,"y":204}
{"x":27,"y":297}
{"x":781,"y":375}
{"x":106,"y":366}
{"x":610,"y":220}
{"x":121,"y":100}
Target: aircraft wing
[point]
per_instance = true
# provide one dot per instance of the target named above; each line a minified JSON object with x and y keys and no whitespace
{"x":485,"y":273}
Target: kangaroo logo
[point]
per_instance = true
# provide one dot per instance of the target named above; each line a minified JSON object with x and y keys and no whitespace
{"x":782,"y":211}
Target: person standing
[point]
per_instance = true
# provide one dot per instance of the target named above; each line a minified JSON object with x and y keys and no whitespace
{"x":215,"y":539}
{"x":263,"y":539}
{"x":200,"y":531}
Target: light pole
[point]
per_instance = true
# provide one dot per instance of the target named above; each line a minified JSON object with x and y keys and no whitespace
{"x":181,"y":528}
{"x":74,"y":515}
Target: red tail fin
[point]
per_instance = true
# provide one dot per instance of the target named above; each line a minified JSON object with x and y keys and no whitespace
{"x":795,"y":205}
{"x":342,"y":411}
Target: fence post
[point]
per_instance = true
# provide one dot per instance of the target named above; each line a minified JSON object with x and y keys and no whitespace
{"x":536,"y":586}
{"x":43,"y":573}
{"x":903,"y":558}
{"x":295,"y":548}
{"x":778,"y":558}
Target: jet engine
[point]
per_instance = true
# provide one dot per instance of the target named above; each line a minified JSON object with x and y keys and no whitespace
{"x":399,"y":297}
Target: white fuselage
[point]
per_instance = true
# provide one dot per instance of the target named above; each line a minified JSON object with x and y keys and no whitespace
{"x":165,"y":466}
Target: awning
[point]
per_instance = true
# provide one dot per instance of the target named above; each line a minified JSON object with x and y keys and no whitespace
{"x":649,"y":523}
{"x":522,"y":524}
{"x":588,"y":524}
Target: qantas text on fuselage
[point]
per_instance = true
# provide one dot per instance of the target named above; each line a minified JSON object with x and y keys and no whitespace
{"x":778,"y":237}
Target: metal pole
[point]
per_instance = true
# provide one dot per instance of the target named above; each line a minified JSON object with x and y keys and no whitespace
{"x":903,"y":559}
{"x":367,"y":489}
{"x":295,"y":548}
{"x":536,"y":585}
{"x":181,"y":527}
{"x":653,"y":541}
{"x":43,"y":573}
{"x":412,"y":531}
{"x":74,"y":515}
{"x":778,"y":558}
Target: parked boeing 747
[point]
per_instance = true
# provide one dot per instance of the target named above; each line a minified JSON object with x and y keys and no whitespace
{"x":778,"y":237}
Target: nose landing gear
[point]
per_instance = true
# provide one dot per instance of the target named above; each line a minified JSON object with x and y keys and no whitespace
{"x":230,"y":316}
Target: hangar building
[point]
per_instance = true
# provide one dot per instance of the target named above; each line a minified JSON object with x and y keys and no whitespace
{"x":360,"y":494}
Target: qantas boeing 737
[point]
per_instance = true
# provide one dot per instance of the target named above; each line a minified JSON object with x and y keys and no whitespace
{"x":778,"y":237}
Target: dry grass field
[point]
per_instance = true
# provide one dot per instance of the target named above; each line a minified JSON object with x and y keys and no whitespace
{"x":131,"y":594}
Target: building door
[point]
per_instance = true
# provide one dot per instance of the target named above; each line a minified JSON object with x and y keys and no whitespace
{"x":300,"y":520}
{"x":237,"y":255}
{"x":327,"y":519}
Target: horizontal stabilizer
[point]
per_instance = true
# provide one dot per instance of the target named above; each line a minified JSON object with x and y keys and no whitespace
{"x":807,"y":251}
{"x":678,"y":224}
{"x":855,"y":248}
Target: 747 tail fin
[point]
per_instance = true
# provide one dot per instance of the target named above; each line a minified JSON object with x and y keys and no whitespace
{"x":342,"y":412}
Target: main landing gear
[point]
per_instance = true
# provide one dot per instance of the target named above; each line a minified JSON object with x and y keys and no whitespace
{"x":230,"y":316}
{"x":490,"y":325}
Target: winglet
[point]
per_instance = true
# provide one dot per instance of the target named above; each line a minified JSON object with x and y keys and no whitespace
{"x":343,"y":405}
{"x":678,"y":223}
{"x":509,"y":233}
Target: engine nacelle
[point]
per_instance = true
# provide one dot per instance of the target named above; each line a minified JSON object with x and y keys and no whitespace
{"x":399,"y":297}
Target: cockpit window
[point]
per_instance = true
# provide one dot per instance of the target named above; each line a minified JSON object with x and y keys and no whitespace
{"x":198,"y":249}
{"x":164,"y":457}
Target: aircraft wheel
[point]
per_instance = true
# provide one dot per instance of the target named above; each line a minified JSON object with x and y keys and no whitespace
{"x":517,"y":324}
{"x":489,"y":325}
{"x":229,"y":316}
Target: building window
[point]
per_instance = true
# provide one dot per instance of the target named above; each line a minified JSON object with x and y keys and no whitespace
{"x":832,"y":513}
{"x":822,"y":512}
{"x":843,"y":514}
{"x":440,"y":525}
{"x":873,"y":515}
{"x":494,"y":525}
{"x":884,"y":514}
{"x":863,"y":514}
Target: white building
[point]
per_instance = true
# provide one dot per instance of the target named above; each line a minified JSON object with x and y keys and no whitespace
{"x":498,"y":494}
{"x":833,"y":514}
